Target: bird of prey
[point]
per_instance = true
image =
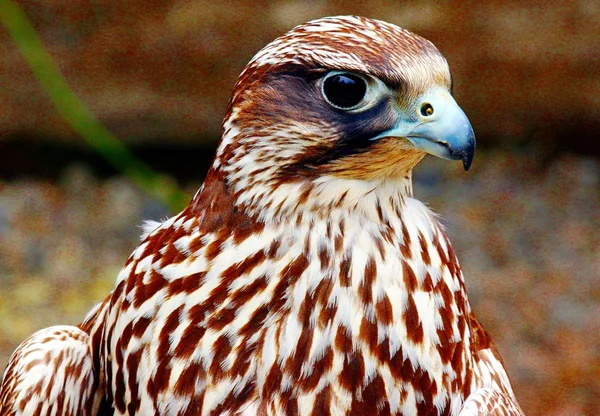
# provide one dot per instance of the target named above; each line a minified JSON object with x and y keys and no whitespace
{"x":303,"y":278}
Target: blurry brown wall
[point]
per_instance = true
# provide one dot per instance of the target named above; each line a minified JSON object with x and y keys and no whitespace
{"x":525,"y":72}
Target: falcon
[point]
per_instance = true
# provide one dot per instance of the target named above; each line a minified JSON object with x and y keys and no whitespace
{"x":303,"y":278}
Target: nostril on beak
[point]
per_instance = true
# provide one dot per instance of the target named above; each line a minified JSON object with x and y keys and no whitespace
{"x":426,"y":110}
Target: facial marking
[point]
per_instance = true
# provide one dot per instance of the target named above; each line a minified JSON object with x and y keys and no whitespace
{"x":280,"y":107}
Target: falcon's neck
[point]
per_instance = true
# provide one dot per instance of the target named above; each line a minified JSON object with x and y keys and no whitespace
{"x":327,"y":198}
{"x":272,"y":187}
{"x":296,"y":200}
{"x":344,"y":281}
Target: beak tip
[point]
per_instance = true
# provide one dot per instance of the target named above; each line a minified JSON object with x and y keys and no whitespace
{"x":467,"y":162}
{"x":469,"y":152}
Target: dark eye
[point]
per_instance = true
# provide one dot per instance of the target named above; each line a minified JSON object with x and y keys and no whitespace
{"x":344,"y":91}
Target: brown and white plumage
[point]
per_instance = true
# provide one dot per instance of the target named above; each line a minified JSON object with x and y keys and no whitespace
{"x":51,"y":373}
{"x":303,"y":278}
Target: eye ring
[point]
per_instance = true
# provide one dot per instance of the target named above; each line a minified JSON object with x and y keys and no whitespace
{"x":426,"y":110}
{"x":344,"y":90}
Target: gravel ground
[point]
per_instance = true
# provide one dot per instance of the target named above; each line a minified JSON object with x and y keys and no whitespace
{"x":528,"y":239}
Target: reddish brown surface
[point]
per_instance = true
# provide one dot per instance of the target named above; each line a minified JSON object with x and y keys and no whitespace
{"x":164,"y":70}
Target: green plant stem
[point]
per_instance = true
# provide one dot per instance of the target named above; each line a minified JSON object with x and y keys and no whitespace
{"x":78,"y":116}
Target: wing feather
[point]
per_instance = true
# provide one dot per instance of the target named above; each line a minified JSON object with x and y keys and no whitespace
{"x":489,"y":401}
{"x":51,"y":373}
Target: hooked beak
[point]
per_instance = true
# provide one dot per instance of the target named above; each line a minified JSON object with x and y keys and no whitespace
{"x":437,"y":126}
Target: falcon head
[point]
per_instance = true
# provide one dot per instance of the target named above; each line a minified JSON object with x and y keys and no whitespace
{"x":341,"y":98}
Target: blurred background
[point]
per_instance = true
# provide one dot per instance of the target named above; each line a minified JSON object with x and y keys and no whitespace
{"x":525,"y":221}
